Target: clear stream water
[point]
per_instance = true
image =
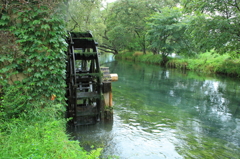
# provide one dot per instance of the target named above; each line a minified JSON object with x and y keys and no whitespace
{"x":166,"y":113}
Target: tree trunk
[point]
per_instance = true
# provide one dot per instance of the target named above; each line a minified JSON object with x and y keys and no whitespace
{"x":164,"y":59}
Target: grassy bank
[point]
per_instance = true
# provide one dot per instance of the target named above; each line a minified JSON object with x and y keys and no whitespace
{"x":207,"y":62}
{"x":140,"y":57}
{"x":40,"y":134}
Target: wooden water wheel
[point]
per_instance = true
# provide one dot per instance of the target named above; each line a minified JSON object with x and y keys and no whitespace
{"x":83,"y":79}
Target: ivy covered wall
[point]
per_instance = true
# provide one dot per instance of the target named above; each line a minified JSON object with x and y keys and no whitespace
{"x":32,"y":57}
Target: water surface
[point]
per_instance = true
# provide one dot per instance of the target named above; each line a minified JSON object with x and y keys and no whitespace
{"x":165,"y":113}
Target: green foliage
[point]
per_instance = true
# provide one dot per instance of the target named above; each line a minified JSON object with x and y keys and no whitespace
{"x":209,"y":62}
{"x":32,"y":69}
{"x":140,"y":57}
{"x":83,"y":15}
{"x":215,"y":25}
{"x":125,"y":55}
{"x":40,"y":135}
{"x":149,"y":58}
{"x":166,"y":32}
{"x":125,"y":23}
{"x":14,"y":101}
{"x":32,"y":58}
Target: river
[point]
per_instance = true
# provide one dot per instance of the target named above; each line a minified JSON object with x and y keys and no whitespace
{"x":167,"y":113}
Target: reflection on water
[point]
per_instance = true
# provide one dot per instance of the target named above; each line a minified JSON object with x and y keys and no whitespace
{"x":163,"y":113}
{"x":106,"y":58}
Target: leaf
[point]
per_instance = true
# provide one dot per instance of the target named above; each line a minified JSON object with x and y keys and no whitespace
{"x":45,"y":27}
{"x":20,"y":13}
{"x":45,"y":73}
{"x":26,"y":20}
{"x":3,"y":22}
{"x":37,"y":74}
{"x":5,"y":17}
{"x":30,"y":70}
{"x":36,"y":22}
{"x":53,"y":33}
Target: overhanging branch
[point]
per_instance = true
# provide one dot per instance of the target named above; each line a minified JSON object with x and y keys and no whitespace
{"x":108,"y":49}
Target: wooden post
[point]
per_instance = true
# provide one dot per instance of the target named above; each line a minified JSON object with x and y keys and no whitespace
{"x":107,"y":92}
{"x":110,"y":99}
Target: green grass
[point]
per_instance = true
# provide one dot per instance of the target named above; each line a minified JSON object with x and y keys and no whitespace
{"x":208,"y":62}
{"x":40,"y":134}
{"x":140,"y":57}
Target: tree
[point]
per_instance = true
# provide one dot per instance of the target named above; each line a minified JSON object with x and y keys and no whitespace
{"x":216,"y":25}
{"x":166,"y":32}
{"x":126,"y":21}
{"x":83,"y":15}
{"x":112,"y":34}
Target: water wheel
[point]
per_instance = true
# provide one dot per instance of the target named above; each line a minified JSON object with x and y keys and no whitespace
{"x":83,"y":79}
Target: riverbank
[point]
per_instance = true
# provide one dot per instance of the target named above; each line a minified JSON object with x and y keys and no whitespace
{"x":207,"y":62}
{"x":40,"y":134}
